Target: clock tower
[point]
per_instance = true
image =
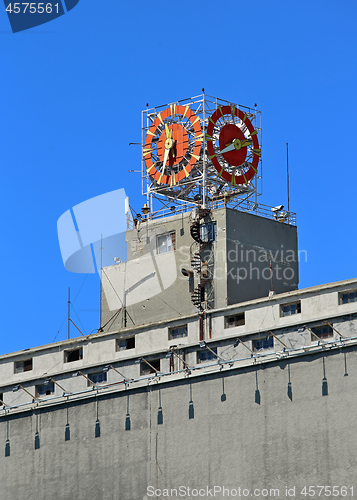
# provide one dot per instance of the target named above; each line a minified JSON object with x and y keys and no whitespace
{"x":202,"y":241}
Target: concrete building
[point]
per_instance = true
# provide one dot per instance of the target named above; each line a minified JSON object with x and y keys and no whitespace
{"x":212,"y":376}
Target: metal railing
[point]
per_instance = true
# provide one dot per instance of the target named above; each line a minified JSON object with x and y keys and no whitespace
{"x":247,"y":206}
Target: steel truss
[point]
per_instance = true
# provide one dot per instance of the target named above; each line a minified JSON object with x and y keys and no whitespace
{"x":203,"y":187}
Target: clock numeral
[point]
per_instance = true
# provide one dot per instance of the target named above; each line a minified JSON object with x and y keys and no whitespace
{"x":150,"y":169}
{"x":187,"y":108}
{"x":186,"y":173}
{"x":172,"y":180}
{"x":244,"y":128}
{"x":147,"y":152}
{"x":233,"y":110}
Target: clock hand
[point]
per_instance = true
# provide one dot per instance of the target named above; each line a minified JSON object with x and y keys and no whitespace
{"x":167,"y":151}
{"x":236,"y":144}
{"x":168,"y":132}
{"x":228,"y":148}
{"x":169,"y":144}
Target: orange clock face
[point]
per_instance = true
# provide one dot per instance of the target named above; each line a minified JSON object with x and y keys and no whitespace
{"x":173,"y":145}
{"x":232,"y":145}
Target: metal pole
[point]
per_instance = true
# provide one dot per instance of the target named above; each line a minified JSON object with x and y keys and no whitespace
{"x":204,"y":151}
{"x":69,"y":311}
{"x":287,"y":168}
{"x":272,"y":334}
{"x":100,"y":280}
{"x":143,"y":166}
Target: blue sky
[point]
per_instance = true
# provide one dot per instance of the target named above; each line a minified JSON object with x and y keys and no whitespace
{"x":72,"y":92}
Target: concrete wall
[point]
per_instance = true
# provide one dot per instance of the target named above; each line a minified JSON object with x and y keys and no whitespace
{"x":152,"y":287}
{"x":261,"y":316}
{"x":286,"y":423}
{"x":253,"y":243}
{"x":149,"y":284}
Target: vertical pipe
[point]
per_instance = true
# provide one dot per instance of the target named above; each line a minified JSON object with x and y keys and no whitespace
{"x":201,"y":327}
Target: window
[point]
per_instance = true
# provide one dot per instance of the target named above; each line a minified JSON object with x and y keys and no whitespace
{"x":263,"y":343}
{"x":290,"y":309}
{"x":236,"y":320}
{"x":206,"y":355}
{"x":347,"y":297}
{"x":322,"y":331}
{"x":208,"y":232}
{"x":166,"y":242}
{"x":124,"y":344}
{"x":97,"y":378}
{"x":146,"y":369}
{"x":178,"y":332}
{"x":73,"y":355}
{"x":23,"y":366}
{"x":45,"y":389}
{"x":1,"y":399}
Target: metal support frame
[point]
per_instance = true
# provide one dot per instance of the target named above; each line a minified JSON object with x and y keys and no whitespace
{"x":334,"y":329}
{"x":276,"y":338}
{"x":112,"y":367}
{"x":203,"y":187}
{"x":56,"y":383}
{"x":314,"y":334}
{"x":239,"y":341}
{"x":19,"y":386}
{"x":147,"y":362}
{"x":203,"y":345}
{"x":178,"y":357}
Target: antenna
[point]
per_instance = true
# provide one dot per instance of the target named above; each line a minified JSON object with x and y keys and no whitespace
{"x":287,"y":171}
{"x":100,"y":278}
{"x":69,"y":311}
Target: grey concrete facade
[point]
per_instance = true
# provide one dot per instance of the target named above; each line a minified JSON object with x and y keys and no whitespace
{"x":284,"y":424}
{"x":255,"y":397}
{"x":249,"y":255}
{"x":269,"y":419}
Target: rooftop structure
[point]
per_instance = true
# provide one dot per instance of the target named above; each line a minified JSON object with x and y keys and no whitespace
{"x":211,"y":374}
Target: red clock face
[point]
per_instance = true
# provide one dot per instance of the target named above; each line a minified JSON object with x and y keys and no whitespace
{"x":173,"y":145}
{"x":236,"y":156}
